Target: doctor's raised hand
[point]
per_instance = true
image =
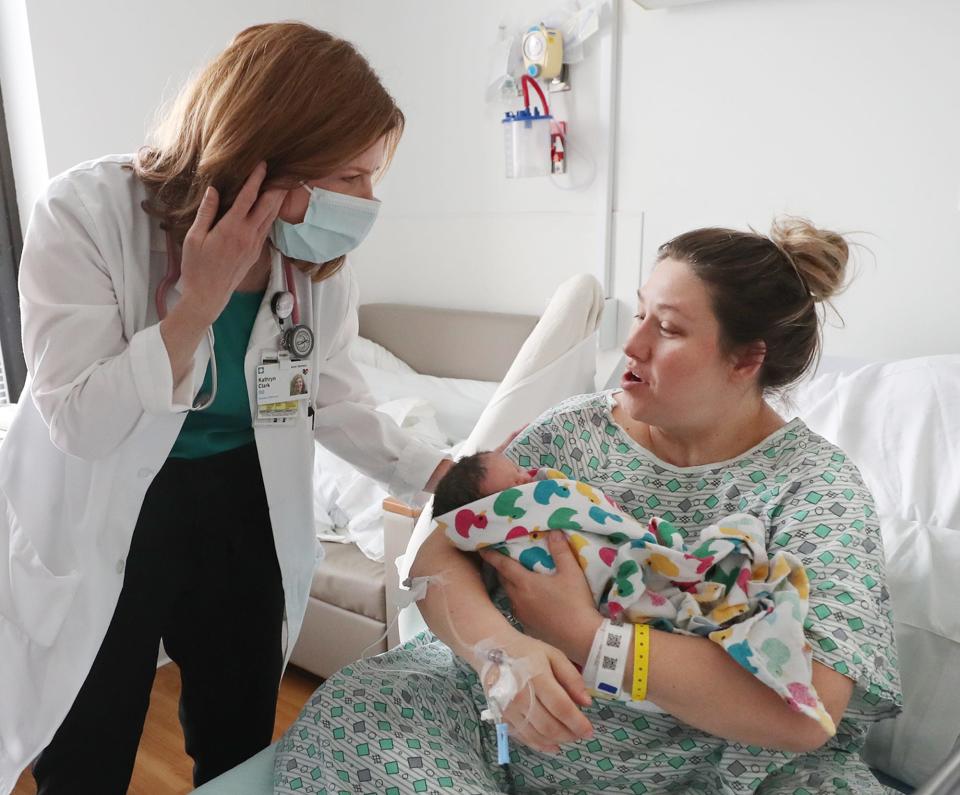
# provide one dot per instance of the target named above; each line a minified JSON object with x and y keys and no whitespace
{"x":156,"y":483}
{"x":216,"y":257}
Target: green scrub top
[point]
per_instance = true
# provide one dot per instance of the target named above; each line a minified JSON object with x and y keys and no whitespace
{"x":226,"y":423}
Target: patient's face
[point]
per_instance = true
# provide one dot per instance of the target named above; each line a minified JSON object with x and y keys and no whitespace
{"x":502,"y":473}
{"x":677,"y":374}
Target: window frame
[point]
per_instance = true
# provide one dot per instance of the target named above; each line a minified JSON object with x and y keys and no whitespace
{"x":11,"y":247}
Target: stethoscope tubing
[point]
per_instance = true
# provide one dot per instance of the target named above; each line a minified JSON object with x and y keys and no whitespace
{"x":173,"y":275}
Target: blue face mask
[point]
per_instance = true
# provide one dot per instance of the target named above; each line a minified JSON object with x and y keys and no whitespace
{"x":334,"y":224}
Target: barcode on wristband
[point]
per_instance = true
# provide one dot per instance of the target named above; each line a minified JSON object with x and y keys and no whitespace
{"x":609,"y":664}
{"x":613,"y":641}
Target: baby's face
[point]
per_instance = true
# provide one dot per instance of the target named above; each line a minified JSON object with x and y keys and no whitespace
{"x":502,"y":473}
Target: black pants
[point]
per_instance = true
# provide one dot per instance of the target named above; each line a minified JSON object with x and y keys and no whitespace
{"x":202,"y":574}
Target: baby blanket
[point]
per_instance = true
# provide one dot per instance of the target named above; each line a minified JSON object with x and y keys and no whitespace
{"x":721,"y":584}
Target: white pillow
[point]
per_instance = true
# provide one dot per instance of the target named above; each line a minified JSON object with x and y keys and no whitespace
{"x":372,"y":354}
{"x":900,"y":423}
{"x":459,"y":402}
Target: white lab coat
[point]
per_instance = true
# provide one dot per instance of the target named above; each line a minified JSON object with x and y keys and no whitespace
{"x":98,"y":418}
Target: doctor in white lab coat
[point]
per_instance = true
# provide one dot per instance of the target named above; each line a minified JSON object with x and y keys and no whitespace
{"x":146,"y":494}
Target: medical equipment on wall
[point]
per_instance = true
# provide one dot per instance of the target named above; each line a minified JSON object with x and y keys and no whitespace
{"x":542,"y":49}
{"x":514,"y":52}
{"x":531,"y":139}
{"x":535,"y":142}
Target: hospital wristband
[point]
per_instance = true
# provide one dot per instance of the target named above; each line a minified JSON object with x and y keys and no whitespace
{"x":612,"y":660}
{"x":641,"y":661}
{"x":589,"y":671}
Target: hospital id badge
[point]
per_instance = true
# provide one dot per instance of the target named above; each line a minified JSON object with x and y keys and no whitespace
{"x":283,"y":391}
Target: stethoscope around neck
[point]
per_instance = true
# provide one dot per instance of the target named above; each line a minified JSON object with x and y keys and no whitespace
{"x":295,"y":338}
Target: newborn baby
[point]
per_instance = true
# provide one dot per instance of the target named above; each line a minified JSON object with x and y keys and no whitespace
{"x":720,"y":584}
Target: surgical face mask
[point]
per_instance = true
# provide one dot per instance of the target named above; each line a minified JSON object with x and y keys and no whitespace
{"x":334,"y":224}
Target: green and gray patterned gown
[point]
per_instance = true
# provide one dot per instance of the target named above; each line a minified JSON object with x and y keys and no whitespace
{"x":408,"y":721}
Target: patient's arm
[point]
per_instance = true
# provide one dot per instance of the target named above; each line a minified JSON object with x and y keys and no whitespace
{"x":457,"y":608}
{"x":461,"y":614}
{"x":695,"y":680}
{"x":692,"y":678}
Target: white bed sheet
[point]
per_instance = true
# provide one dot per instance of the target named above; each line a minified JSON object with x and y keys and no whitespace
{"x":440,"y":411}
{"x":900,"y":423}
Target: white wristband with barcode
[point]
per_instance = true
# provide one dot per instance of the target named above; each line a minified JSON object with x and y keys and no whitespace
{"x":611,"y":660}
{"x":590,"y":666}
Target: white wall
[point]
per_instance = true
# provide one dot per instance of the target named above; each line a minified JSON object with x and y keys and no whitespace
{"x":847,"y":111}
{"x":453,"y":231}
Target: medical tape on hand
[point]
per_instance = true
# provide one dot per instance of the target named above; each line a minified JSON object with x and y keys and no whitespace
{"x":506,"y":686}
{"x":513,"y":675}
{"x":499,"y":696}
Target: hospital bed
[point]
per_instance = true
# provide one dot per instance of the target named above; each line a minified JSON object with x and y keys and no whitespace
{"x":900,"y":422}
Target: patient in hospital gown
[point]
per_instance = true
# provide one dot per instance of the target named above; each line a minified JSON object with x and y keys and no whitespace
{"x":719,"y":584}
{"x":409,"y":720}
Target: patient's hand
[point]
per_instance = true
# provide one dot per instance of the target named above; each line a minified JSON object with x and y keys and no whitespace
{"x":546,"y":711}
{"x":558,"y":608}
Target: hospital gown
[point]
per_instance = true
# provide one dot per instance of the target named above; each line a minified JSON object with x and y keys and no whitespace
{"x":408,"y":721}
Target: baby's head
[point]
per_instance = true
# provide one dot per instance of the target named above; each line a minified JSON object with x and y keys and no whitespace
{"x":475,"y":476}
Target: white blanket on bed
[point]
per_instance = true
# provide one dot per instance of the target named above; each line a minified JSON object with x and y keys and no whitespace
{"x":347,"y":504}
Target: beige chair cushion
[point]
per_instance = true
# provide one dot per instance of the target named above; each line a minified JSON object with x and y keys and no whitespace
{"x":348,"y":579}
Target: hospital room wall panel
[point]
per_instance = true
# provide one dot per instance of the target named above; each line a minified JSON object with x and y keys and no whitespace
{"x":844,"y":111}
{"x":492,"y":261}
{"x":436,"y":58}
{"x":453,"y":230}
{"x":729,"y":112}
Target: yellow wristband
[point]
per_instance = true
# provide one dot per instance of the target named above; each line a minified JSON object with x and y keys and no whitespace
{"x":641,"y":661}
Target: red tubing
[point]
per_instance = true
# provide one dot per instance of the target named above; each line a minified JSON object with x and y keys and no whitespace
{"x":288,"y":282}
{"x":525,"y":81}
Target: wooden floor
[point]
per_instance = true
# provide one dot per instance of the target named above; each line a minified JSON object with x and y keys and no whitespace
{"x":163,"y":768}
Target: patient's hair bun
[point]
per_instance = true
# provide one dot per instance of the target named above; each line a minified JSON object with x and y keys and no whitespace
{"x":819,"y":255}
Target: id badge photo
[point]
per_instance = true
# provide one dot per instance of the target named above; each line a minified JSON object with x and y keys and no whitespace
{"x":283,"y":388}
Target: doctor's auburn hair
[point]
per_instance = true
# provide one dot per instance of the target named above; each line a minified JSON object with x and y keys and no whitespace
{"x":766,"y":288}
{"x":301,"y":99}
